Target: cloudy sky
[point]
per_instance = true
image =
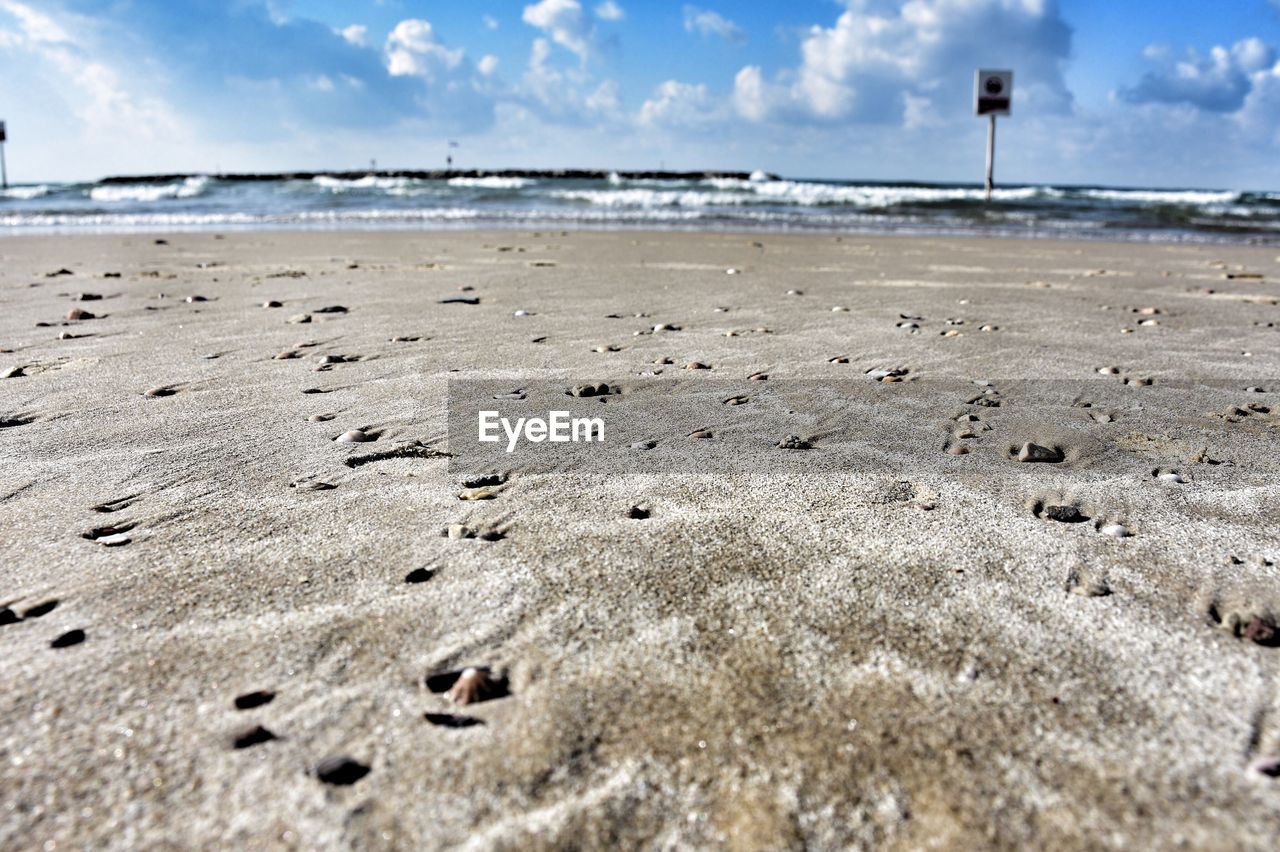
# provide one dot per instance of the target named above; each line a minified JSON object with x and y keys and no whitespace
{"x":1127,"y":92}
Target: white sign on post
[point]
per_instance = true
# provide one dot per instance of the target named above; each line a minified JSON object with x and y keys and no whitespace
{"x":993,"y":92}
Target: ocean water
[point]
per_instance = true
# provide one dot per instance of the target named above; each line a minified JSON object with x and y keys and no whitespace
{"x":764,"y":202}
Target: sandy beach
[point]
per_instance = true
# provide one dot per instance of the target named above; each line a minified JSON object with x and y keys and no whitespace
{"x":930,"y":644}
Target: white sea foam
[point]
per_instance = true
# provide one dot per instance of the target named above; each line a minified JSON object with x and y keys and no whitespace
{"x":1156,"y":196}
{"x":492,"y":182}
{"x":189,"y":188}
{"x":26,"y":193}
{"x":736,"y":193}
{"x":339,"y":185}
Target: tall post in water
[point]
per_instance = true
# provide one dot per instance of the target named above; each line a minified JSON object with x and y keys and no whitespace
{"x":4,"y":172}
{"x":992,"y":96}
{"x":991,"y":154}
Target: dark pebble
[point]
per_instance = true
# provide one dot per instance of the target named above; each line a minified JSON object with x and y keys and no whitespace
{"x":40,"y":609}
{"x":419,"y":575}
{"x":1065,"y":514}
{"x":252,"y":736}
{"x":340,"y":770}
{"x":257,"y":698}
{"x":1262,"y":631}
{"x":331,"y":309}
{"x":66,"y":640}
{"x":8,"y":616}
{"x":638,"y":513}
{"x":449,"y":720}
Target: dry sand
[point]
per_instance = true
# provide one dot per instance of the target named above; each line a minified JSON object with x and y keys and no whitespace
{"x":904,"y":653}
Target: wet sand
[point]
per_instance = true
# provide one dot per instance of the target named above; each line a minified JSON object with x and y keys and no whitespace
{"x":293,"y":641}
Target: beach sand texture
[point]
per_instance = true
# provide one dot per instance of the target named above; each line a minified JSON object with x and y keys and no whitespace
{"x":948,"y":649}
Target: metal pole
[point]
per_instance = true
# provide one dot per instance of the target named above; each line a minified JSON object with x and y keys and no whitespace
{"x":991,"y":153}
{"x":4,"y":173}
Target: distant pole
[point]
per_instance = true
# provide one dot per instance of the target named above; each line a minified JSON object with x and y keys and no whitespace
{"x":4,"y":172}
{"x":992,"y":96}
{"x":991,"y":154}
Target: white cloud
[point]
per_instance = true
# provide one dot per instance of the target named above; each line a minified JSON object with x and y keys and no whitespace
{"x":753,"y":98}
{"x":604,"y":99}
{"x":1219,"y":82}
{"x":861,"y":68}
{"x":610,"y":11}
{"x":569,"y":95}
{"x":705,"y":22}
{"x":357,"y":34}
{"x":490,"y":22}
{"x":413,"y":50}
{"x":97,"y":96}
{"x":679,"y":104}
{"x":564,"y":22}
{"x":36,"y":27}
{"x":487,"y":64}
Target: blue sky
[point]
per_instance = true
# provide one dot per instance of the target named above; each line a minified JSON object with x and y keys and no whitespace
{"x":1139,"y":92}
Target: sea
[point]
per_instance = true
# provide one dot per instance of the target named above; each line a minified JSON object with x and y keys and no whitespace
{"x":613,"y":200}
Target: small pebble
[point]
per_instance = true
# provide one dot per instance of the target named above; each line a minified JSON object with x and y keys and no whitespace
{"x":157,"y":392}
{"x":1268,"y":766}
{"x":1065,"y":514}
{"x":483,"y":493}
{"x":286,"y":355}
{"x":79,"y":314}
{"x":250,"y":700}
{"x":319,"y":418}
{"x":637,"y":513}
{"x":66,"y":640}
{"x":419,"y":575}
{"x":1115,"y":530}
{"x":114,"y":540}
{"x":272,"y":303}
{"x":475,"y":684}
{"x":701,"y":433}
{"x":460,"y":531}
{"x":251,"y":736}
{"x":957,"y":450}
{"x":1261,"y":630}
{"x":1035,"y":453}
{"x":298,"y":319}
{"x":13,"y":373}
{"x":340,"y":770}
{"x":354,"y":436}
{"x":793,"y":442}
{"x":1171,"y":477}
{"x":696,"y":365}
